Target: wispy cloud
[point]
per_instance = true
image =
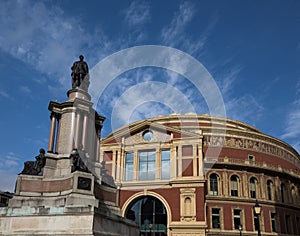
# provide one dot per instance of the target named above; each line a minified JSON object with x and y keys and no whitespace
{"x":178,"y":24}
{"x":228,"y":78}
{"x":10,"y":161}
{"x":42,"y":35}
{"x":25,"y":90}
{"x":8,"y":180}
{"x":245,"y":108}
{"x":292,"y":129}
{"x":4,"y":94}
{"x":137,"y":13}
{"x":175,"y":34}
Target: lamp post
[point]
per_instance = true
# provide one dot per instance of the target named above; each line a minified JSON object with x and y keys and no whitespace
{"x":150,"y":227}
{"x":257,"y":212}
{"x":240,"y":229}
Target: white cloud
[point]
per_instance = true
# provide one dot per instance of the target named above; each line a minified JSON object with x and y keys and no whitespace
{"x":25,"y":90}
{"x":292,"y":129}
{"x":8,"y":180}
{"x":10,"y":164}
{"x":244,"y":108}
{"x":172,"y":33}
{"x":4,"y":94}
{"x":137,"y":13}
{"x":175,"y":34}
{"x":226,"y":82}
{"x":41,"y":35}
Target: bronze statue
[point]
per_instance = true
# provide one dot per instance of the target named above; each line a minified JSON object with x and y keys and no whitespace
{"x":80,"y":74}
{"x":35,"y":167}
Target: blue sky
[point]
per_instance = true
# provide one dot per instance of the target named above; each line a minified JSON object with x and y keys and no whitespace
{"x":250,"y":48}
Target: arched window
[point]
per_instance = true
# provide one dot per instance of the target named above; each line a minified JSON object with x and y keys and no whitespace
{"x":270,"y":187}
{"x":213,"y":180}
{"x":283,"y":191}
{"x":253,"y":184}
{"x":150,"y":215}
{"x":234,"y":186}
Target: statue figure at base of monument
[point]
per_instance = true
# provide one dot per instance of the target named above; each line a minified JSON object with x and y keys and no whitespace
{"x":35,"y":167}
{"x":80,"y":74}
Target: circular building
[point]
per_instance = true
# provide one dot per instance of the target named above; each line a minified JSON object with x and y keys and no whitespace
{"x":202,"y":175}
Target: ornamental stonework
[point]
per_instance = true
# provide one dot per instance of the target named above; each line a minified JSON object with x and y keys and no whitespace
{"x":249,"y":144}
{"x":157,"y":137}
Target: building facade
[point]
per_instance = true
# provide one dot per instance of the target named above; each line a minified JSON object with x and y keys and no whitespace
{"x":201,"y":175}
{"x":4,"y":198}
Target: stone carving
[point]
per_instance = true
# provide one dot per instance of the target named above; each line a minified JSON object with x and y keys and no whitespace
{"x":78,"y":164}
{"x":250,"y":144}
{"x":80,"y":74}
{"x":35,"y":167}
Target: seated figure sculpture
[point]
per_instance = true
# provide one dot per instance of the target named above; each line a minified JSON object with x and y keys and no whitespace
{"x":35,"y":167}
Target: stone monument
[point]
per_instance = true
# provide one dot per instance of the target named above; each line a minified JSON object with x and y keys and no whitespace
{"x":62,"y":192}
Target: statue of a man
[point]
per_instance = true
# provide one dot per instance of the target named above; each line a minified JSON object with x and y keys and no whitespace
{"x":79,"y":73}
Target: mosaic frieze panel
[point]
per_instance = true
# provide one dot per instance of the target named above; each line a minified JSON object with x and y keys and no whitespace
{"x":249,"y":144}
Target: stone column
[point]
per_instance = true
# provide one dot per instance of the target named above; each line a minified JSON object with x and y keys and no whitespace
{"x":118,"y":164}
{"x":179,"y":160}
{"x":158,"y":163}
{"x":84,"y":131}
{"x":225,"y":182}
{"x":122,"y":162}
{"x":52,"y":133}
{"x":200,"y":159}
{"x":135,"y":165}
{"x":195,"y":158}
{"x":173,"y":162}
{"x":77,"y":131}
{"x":98,"y":145}
{"x":245,"y":184}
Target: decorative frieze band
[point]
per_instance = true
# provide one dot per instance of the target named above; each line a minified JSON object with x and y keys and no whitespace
{"x":249,"y":144}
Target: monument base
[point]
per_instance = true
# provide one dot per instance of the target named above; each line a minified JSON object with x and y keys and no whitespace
{"x":58,"y":221}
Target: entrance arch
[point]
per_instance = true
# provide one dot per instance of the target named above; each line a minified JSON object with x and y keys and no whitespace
{"x":150,"y":213}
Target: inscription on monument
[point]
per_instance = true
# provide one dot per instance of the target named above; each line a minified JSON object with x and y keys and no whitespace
{"x":84,"y":183}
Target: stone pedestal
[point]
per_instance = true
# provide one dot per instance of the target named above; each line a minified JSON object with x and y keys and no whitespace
{"x":68,"y":198}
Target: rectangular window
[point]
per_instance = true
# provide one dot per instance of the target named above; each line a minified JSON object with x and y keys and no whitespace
{"x":129,"y":166}
{"x":288,"y":224}
{"x":165,"y":164}
{"x":273,"y":222}
{"x":298,"y":224}
{"x":215,"y":218}
{"x":251,"y":159}
{"x":147,"y":165}
{"x":236,"y":218}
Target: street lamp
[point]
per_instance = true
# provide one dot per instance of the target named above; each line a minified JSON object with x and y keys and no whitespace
{"x":257,"y":212}
{"x":150,"y":227}
{"x":240,"y":229}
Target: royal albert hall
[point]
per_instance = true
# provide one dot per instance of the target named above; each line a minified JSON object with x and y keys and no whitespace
{"x":202,"y":175}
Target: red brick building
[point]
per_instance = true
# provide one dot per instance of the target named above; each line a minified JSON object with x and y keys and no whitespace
{"x":201,"y":175}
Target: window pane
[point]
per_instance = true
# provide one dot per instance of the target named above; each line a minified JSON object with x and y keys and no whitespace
{"x":213,"y":184}
{"x":253,"y":188}
{"x":147,"y":165}
{"x":165,"y":164}
{"x":215,"y":218}
{"x":273,"y":221}
{"x":237,"y":218}
{"x":129,"y":166}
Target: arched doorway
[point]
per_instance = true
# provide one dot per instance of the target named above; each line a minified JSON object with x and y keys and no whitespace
{"x":150,"y":214}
